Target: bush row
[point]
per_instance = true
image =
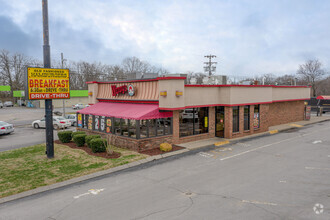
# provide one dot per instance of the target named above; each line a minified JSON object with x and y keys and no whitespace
{"x":95,"y":142}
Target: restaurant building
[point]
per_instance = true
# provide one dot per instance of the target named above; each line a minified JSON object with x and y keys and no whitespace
{"x":141,"y":114}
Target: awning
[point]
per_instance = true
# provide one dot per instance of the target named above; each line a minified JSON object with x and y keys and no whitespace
{"x":325,"y":97}
{"x":126,"y":111}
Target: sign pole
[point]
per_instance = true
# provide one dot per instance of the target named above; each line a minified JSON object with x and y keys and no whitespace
{"x":48,"y":102}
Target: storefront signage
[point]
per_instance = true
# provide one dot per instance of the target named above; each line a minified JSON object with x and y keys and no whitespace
{"x":118,"y":90}
{"x":130,"y":90}
{"x":256,"y":121}
{"x":96,"y":122}
{"x":123,"y":90}
{"x":108,"y":125}
{"x":102,"y":124}
{"x":79,"y":120}
{"x":46,"y":83}
{"x":90,"y":122}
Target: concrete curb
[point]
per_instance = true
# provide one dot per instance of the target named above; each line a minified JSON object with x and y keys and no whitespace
{"x":136,"y":164}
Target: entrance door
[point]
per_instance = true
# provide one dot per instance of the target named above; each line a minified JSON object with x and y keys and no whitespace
{"x":220,"y":121}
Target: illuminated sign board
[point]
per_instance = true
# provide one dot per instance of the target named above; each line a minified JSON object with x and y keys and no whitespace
{"x":45,"y":83}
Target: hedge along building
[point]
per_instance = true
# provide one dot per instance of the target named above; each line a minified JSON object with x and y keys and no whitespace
{"x":141,"y":114}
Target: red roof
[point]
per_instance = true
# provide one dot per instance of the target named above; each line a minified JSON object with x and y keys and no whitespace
{"x":126,"y":111}
{"x":326,"y":97}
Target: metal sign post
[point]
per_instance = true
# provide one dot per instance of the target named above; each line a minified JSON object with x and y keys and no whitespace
{"x":48,"y":102}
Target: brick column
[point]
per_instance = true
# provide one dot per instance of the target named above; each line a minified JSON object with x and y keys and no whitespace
{"x":228,"y":122}
{"x":212,"y":121}
{"x":264,"y":124}
{"x":251,"y":119}
{"x":241,"y":119}
{"x":176,"y":126}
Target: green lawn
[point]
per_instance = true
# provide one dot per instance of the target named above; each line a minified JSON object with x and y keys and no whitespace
{"x":28,"y":168}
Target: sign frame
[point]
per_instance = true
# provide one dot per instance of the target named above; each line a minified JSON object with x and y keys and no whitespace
{"x":58,"y":81}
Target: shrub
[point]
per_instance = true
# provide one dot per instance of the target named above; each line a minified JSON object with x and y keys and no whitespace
{"x":79,"y":139}
{"x":88,"y":139}
{"x":65,"y":136}
{"x":98,"y":145}
{"x":165,"y":147}
{"x":77,"y":132}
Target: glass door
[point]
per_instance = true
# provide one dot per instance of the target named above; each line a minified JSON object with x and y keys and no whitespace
{"x":220,"y":121}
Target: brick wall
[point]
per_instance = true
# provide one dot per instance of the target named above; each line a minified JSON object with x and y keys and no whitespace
{"x":131,"y":143}
{"x":285,"y":112}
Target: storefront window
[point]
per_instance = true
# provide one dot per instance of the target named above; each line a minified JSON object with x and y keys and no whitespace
{"x":132,"y":128}
{"x":108,"y":125}
{"x":256,"y":117}
{"x":246,"y":117}
{"x":152,"y":128}
{"x":168,"y":125}
{"x":193,"y":121}
{"x":127,"y":127}
{"x":117,"y":126}
{"x":236,"y":119}
{"x":124,"y":127}
{"x":202,"y":122}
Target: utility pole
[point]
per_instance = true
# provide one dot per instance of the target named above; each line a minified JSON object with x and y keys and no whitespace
{"x":210,"y":66}
{"x":62,"y":62}
{"x":48,"y":102}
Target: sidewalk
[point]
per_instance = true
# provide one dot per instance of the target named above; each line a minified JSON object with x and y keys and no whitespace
{"x":272,"y":130}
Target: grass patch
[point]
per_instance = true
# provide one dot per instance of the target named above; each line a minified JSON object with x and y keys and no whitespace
{"x":28,"y":168}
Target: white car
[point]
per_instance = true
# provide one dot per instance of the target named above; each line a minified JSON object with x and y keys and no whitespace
{"x":58,"y":123}
{"x":8,"y":104}
{"x":6,"y":128}
{"x":72,"y":118}
{"x":78,"y":106}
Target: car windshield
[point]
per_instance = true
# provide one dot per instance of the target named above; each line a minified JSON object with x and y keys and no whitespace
{"x":61,"y":118}
{"x":3,"y":123}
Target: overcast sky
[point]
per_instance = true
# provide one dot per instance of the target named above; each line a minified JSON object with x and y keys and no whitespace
{"x":248,"y":37}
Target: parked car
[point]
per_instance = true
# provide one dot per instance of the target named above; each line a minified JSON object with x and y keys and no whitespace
{"x":8,"y":104}
{"x":1,"y":104}
{"x":6,"y":128}
{"x":72,"y":118}
{"x":58,"y":123}
{"x":78,"y":106}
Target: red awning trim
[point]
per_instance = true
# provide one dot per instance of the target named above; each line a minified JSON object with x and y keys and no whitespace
{"x":130,"y":101}
{"x":126,"y":111}
{"x":325,"y":97}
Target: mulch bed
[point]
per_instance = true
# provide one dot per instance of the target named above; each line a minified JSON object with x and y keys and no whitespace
{"x":157,"y":151}
{"x":89,"y":151}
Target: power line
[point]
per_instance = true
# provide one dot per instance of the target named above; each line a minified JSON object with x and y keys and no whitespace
{"x":210,"y":66}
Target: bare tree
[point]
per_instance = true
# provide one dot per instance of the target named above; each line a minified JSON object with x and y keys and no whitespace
{"x":311,"y":71}
{"x":12,"y":69}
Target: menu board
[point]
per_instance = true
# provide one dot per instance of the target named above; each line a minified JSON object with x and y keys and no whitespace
{"x":102,"y":124}
{"x":90,"y":122}
{"x":96,"y":122}
{"x":108,"y":125}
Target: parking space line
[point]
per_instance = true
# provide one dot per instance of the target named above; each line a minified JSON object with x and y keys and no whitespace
{"x":268,"y":145}
{"x":317,"y":168}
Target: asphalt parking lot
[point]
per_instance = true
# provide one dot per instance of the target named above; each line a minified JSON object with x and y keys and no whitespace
{"x":24,"y":134}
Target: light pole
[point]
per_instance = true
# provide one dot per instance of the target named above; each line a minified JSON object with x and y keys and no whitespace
{"x":48,"y":102}
{"x":62,"y":62}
